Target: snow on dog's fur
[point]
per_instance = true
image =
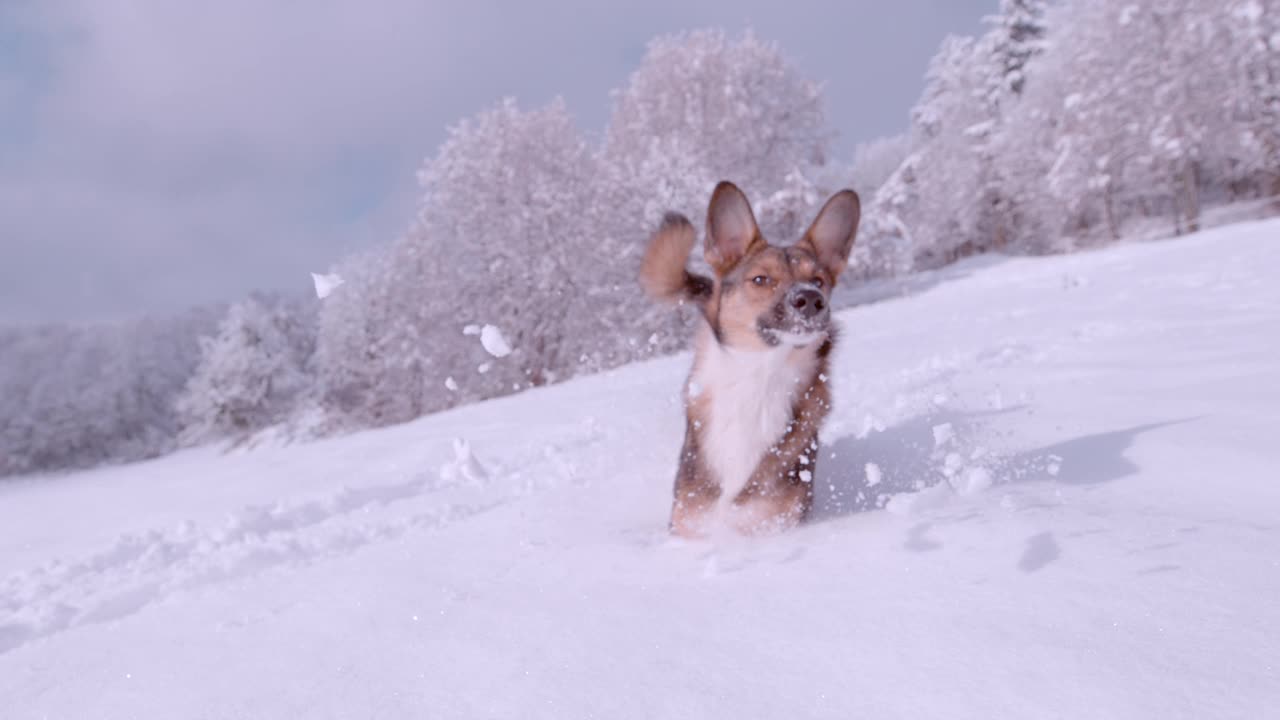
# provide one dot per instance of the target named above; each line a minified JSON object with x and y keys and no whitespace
{"x":757,"y":393}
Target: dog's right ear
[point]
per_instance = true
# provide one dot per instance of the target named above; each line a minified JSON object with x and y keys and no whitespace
{"x":731,"y":228}
{"x":662,"y":272}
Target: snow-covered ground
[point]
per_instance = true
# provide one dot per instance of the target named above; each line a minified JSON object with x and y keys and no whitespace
{"x":1100,"y":538}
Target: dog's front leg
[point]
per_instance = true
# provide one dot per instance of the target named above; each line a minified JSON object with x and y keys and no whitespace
{"x":780,"y":493}
{"x":695,"y":494}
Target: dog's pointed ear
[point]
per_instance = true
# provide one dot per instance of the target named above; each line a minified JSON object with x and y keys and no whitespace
{"x":831,"y":235}
{"x":731,"y":228}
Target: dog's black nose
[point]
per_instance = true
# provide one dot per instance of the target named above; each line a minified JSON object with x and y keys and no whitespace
{"x":808,"y":302}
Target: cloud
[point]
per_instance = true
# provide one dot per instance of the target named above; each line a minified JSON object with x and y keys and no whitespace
{"x":167,"y":152}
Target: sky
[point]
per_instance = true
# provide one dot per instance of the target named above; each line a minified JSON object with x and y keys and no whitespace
{"x":156,"y":154}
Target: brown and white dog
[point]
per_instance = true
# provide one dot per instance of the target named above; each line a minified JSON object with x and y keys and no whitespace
{"x":757,"y":393}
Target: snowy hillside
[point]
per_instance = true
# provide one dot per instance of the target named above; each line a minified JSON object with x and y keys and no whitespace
{"x":1100,"y":538}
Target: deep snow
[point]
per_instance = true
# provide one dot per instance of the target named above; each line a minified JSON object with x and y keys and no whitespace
{"x":1049,"y":489}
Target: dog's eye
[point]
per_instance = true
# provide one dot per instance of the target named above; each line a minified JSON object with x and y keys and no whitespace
{"x":760,"y":279}
{"x":817,"y":282}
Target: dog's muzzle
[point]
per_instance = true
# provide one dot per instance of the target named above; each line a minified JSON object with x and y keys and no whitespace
{"x":806,"y":302}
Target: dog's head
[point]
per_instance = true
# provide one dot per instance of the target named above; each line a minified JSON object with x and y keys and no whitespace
{"x":767,"y":296}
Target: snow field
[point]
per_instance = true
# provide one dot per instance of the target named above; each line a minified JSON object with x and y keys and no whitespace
{"x":1047,"y":490}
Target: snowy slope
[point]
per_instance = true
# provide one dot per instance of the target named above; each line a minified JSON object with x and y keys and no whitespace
{"x":1100,"y":538}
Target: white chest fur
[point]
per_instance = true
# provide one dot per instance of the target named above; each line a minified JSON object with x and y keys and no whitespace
{"x":750,"y":396}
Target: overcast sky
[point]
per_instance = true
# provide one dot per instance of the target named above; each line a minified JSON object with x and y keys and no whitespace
{"x":160,"y":153}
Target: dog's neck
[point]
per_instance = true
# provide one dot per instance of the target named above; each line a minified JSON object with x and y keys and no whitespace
{"x":749,"y":398}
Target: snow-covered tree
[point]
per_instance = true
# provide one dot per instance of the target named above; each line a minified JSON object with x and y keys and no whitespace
{"x":946,"y":199}
{"x":353,"y":357}
{"x":785,"y":214}
{"x":886,"y":245}
{"x":1255,"y":45}
{"x":932,"y":203}
{"x":508,"y":200}
{"x":507,"y":235}
{"x":250,"y":375}
{"x":703,"y":107}
{"x":80,"y":396}
{"x":1018,"y":33}
{"x":1057,"y":148}
{"x":874,"y":162}
{"x":1125,"y":117}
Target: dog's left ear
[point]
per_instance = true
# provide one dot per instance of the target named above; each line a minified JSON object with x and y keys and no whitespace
{"x":832,"y":232}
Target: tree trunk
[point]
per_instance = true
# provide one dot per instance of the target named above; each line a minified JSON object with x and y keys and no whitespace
{"x":1109,"y":210}
{"x":1176,"y":197}
{"x":1191,"y":187}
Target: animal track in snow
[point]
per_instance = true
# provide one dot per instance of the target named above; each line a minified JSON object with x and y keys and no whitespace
{"x":140,"y":569}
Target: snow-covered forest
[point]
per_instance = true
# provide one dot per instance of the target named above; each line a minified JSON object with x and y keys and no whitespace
{"x":1063,"y":126}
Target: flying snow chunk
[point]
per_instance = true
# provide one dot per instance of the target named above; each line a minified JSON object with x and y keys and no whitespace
{"x":975,"y":480}
{"x":869,"y":423}
{"x":952,"y":464}
{"x":325,"y":284}
{"x":942,"y":434}
{"x":1055,"y":465}
{"x":493,"y":342}
{"x":451,"y":384}
{"x":465,"y":468}
{"x":471,"y":330}
{"x":873,"y":474}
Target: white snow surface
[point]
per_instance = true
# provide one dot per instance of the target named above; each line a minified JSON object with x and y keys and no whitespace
{"x":1099,"y":537}
{"x":493,"y":341}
